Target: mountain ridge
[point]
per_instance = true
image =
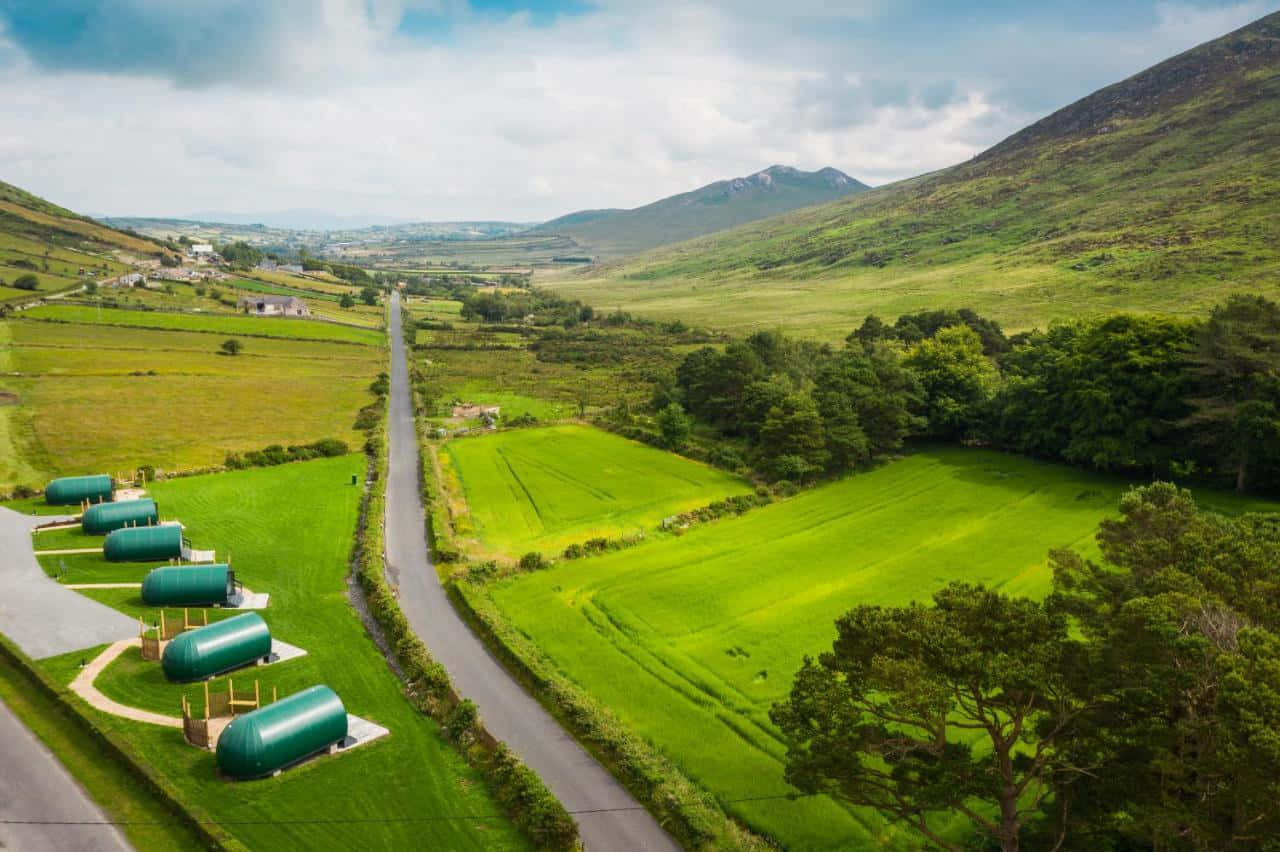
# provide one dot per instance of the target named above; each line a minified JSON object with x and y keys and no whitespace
{"x":716,"y":206}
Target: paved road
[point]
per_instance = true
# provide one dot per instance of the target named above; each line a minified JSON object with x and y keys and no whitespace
{"x":508,"y":712}
{"x":34,"y":786}
{"x":43,"y":617}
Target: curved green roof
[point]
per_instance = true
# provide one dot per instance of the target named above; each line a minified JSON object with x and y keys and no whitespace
{"x":143,"y":544}
{"x":71,"y":490}
{"x":188,"y":585}
{"x":280,"y":734}
{"x":104,"y":517}
{"x":216,"y":648}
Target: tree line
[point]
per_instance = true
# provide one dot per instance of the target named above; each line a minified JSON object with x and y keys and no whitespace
{"x":1130,"y":394}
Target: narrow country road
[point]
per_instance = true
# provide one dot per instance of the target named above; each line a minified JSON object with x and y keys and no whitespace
{"x":615,"y":820}
{"x":34,"y":789}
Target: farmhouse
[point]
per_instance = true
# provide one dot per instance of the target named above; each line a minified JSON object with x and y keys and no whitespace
{"x":274,"y":306}
{"x":201,"y":250}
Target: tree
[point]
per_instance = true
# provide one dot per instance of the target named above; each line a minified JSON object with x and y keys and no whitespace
{"x":1108,"y":394}
{"x":1238,"y":370}
{"x":26,"y":281}
{"x":369,"y":296}
{"x":791,"y":439}
{"x":1181,"y":619}
{"x":674,"y":425}
{"x":346,"y":301}
{"x":232,"y":346}
{"x":241,"y":253}
{"x":958,"y":381}
{"x":922,"y":711}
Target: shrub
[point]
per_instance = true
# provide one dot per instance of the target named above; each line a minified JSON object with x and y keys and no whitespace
{"x":533,"y":561}
{"x":26,"y":281}
{"x":232,"y":346}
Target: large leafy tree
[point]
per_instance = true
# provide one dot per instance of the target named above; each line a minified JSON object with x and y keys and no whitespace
{"x":1108,"y":394}
{"x":924,"y":711}
{"x":1181,"y":621}
{"x":957,"y":378}
{"x":1237,"y":414}
{"x":791,"y":440}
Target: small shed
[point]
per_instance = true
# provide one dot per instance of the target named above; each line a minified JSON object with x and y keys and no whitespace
{"x":189,"y":585}
{"x":281,"y":734}
{"x":74,"y":490}
{"x":102,"y":518}
{"x":217,"y":648}
{"x":143,"y":544}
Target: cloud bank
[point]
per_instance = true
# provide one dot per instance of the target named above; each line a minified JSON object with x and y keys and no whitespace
{"x":500,"y":109}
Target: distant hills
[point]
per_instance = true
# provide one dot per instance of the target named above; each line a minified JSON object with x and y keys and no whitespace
{"x":714,"y":207}
{"x":1158,"y":193}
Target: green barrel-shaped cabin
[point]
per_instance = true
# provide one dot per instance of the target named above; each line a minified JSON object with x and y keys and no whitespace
{"x":143,"y":544}
{"x":102,"y":518}
{"x":216,"y":648}
{"x":74,"y":490}
{"x":281,"y":734}
{"x":188,"y":585}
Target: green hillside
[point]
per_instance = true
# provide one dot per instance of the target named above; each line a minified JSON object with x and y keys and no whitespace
{"x":1159,"y":193}
{"x":714,"y":207}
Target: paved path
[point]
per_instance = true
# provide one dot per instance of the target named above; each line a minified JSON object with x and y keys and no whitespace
{"x":509,"y":713}
{"x":34,"y":787}
{"x":83,"y":686}
{"x":43,"y":617}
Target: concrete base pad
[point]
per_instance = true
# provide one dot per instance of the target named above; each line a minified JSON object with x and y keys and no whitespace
{"x":246,"y":599}
{"x":360,"y":732}
{"x":282,"y":652}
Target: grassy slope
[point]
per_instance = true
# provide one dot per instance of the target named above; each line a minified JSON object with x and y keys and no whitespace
{"x":542,"y":489}
{"x":691,"y":639}
{"x":1146,"y":196}
{"x":81,"y":406}
{"x":290,"y":529}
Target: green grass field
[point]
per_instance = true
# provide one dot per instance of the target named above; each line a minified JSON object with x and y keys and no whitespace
{"x":542,"y":489}
{"x":290,"y":530}
{"x":230,"y":325}
{"x":691,"y":639}
{"x":89,"y":398}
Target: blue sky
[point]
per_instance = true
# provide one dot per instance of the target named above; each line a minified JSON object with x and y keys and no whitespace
{"x":453,"y":109}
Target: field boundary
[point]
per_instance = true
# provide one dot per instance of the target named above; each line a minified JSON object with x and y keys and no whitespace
{"x":210,"y":331}
{"x":206,"y":829}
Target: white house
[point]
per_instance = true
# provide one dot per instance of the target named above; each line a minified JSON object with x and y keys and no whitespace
{"x":274,"y":306}
{"x":201,"y":250}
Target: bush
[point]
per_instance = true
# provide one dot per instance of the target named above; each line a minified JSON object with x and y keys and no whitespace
{"x":533,"y":561}
{"x":232,"y":347}
{"x":26,"y":281}
{"x":275,"y":454}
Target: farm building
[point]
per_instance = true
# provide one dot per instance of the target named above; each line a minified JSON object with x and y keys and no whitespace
{"x":201,"y":250}
{"x":131,"y":279}
{"x":102,"y":518}
{"x":73,"y":490}
{"x":189,"y":585}
{"x":144,"y":544}
{"x":220,"y":647}
{"x":265,"y":741}
{"x":274,"y":306}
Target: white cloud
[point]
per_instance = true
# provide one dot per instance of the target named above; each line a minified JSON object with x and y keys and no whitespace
{"x":518,"y":120}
